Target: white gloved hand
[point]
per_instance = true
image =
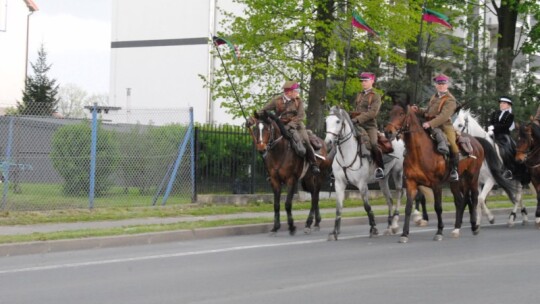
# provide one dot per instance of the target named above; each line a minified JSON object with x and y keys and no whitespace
{"x":490,"y":131}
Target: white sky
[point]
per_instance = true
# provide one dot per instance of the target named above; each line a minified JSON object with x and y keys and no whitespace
{"x":76,"y":35}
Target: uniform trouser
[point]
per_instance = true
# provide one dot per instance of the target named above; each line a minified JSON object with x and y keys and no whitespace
{"x":310,"y":153}
{"x":451,"y":135}
{"x":375,"y":151}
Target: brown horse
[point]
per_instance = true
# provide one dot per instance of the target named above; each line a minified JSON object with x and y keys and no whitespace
{"x":285,"y":167}
{"x":424,"y":166}
{"x":528,"y":152}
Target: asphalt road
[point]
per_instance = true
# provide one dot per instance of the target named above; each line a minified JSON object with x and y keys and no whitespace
{"x":498,"y":266}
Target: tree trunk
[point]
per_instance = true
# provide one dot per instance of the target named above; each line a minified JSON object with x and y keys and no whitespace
{"x":321,"y":54}
{"x":507,"y":17}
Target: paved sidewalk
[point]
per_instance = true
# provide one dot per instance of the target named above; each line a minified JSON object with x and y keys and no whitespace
{"x":178,"y":235}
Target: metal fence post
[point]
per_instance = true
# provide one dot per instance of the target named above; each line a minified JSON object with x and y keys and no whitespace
{"x":192,"y":165}
{"x":93,"y":158}
{"x":181,"y":151}
{"x":7,"y":162}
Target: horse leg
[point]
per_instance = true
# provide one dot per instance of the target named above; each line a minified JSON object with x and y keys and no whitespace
{"x":473,"y":209}
{"x":398,"y":182}
{"x":288,"y":207}
{"x":437,"y":196}
{"x":383,"y":185}
{"x":340,"y":186}
{"x":524,"y":215}
{"x":459,"y":202}
{"x":371,"y":217}
{"x":313,"y":212}
{"x":537,"y":220}
{"x":488,"y":185}
{"x":411,"y":194}
{"x":277,"y":194}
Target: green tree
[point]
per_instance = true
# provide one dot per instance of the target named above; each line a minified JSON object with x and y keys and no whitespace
{"x":40,"y":93}
{"x":509,"y":13}
{"x":307,"y":41}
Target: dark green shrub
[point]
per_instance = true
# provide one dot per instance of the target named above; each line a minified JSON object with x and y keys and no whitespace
{"x":71,"y":158}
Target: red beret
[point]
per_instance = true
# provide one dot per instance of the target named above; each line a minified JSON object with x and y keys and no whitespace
{"x":367,"y":76}
{"x":290,"y":85}
{"x":441,"y":78}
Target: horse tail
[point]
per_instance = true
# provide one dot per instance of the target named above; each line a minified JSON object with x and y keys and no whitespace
{"x":495,"y":167}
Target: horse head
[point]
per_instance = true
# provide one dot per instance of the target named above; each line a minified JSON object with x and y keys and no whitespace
{"x":265,"y":131}
{"x":461,"y":121}
{"x":398,"y":121}
{"x":528,"y":138}
{"x":339,"y":127}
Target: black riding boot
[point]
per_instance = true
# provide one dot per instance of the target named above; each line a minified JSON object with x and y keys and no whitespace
{"x":454,"y":161}
{"x":377,"y":158}
{"x":312,"y":159}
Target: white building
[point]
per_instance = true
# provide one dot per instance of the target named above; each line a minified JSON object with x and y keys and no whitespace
{"x":158,"y":50}
{"x":14,"y":22}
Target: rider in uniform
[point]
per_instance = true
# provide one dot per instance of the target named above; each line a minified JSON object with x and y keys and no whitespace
{"x":289,"y":107}
{"x":367,"y":105}
{"x":441,"y":107}
{"x":501,"y":123}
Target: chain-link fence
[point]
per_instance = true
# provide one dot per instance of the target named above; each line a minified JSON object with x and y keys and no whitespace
{"x":112,"y":159}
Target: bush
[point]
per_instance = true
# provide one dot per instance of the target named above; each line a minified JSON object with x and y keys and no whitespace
{"x":70,"y":156}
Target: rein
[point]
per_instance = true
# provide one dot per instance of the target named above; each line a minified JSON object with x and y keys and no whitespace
{"x":341,"y":140}
{"x":528,"y":153}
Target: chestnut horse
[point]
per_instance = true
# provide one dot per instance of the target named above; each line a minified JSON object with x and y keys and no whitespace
{"x":424,"y":166}
{"x":528,"y":152}
{"x":285,"y":167}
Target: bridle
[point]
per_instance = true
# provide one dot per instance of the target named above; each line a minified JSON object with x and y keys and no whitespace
{"x":340,"y":139}
{"x":404,"y":126}
{"x":272,"y":141}
{"x":527,"y":151}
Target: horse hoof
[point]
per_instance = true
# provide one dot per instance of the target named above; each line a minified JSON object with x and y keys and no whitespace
{"x":317,"y":228}
{"x":422,"y":223}
{"x":387,"y":232}
{"x":394,"y":229}
{"x":492,"y":220}
{"x":537,"y":223}
{"x":454,"y":234}
{"x":404,"y":240}
{"x":292,"y":230}
{"x":438,"y":237}
{"x":510,"y":224}
{"x":307,"y":230}
{"x":476,"y":231}
{"x":332,"y":237}
{"x":273,"y":233}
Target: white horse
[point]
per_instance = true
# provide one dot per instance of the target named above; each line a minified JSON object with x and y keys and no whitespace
{"x":351,"y":167}
{"x":490,"y":173}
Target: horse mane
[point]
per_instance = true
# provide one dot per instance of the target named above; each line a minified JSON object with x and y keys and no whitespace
{"x":536,"y":131}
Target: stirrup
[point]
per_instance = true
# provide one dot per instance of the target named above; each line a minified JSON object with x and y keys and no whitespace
{"x":454,"y":176}
{"x":379,"y":173}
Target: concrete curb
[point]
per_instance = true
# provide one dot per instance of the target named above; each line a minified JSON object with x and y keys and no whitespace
{"x":41,"y":247}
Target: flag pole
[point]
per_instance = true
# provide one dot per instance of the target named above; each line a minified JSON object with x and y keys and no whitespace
{"x":417,"y":76}
{"x":230,"y":80}
{"x":347,"y":59}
